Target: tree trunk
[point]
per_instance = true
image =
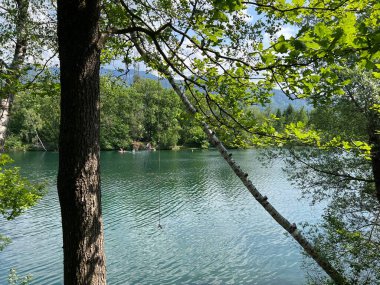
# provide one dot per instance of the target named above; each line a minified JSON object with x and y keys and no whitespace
{"x":4,"y":119}
{"x":376,"y":169}
{"x":78,"y":175}
{"x":374,"y":141}
{"x":15,"y":67}
{"x":309,"y":248}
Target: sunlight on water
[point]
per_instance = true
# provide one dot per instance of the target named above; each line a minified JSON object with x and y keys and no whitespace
{"x":213,"y":232}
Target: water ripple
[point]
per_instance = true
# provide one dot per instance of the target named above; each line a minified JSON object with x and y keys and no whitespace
{"x":213,"y":232}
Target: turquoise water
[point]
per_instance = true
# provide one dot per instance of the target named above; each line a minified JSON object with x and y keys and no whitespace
{"x":213,"y":231}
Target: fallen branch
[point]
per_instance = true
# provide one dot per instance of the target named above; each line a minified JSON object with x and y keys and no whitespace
{"x":39,"y":139}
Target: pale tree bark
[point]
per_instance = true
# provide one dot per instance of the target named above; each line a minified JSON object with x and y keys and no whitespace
{"x":291,"y":228}
{"x":14,"y":69}
{"x":78,"y":175}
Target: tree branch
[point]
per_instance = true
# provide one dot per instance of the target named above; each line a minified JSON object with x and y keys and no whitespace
{"x":336,"y":174}
{"x":263,"y":200}
{"x":298,"y":8}
{"x":3,"y":63}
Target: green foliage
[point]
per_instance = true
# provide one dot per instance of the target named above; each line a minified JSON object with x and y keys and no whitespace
{"x":4,"y":241}
{"x":144,"y":111}
{"x":14,"y":279}
{"x":191,"y":133}
{"x":329,"y":36}
{"x":348,"y":234}
{"x":229,"y":70}
{"x":230,"y":5}
{"x":234,"y":70}
{"x":119,"y":115}
{"x":16,"y":193}
{"x":36,"y":112}
{"x":14,"y":143}
{"x":35,"y":34}
{"x":161,"y":112}
{"x":340,"y":174}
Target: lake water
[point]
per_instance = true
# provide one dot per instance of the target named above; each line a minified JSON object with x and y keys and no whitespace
{"x":213,"y":232}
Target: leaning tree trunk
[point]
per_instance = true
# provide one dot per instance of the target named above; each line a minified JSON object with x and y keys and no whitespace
{"x":309,"y":248}
{"x":78,"y":175}
{"x":14,"y":69}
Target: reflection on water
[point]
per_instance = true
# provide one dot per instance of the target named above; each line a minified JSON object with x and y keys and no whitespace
{"x":213,"y":230}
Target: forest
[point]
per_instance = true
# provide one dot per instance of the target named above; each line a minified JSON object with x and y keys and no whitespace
{"x":142,"y":112}
{"x":223,"y":60}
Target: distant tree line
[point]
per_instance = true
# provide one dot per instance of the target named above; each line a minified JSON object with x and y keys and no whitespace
{"x":140,"y":113}
{"x":280,"y":118}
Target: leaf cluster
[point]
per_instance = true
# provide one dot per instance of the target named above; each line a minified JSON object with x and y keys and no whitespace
{"x":339,"y":175}
{"x":16,"y":193}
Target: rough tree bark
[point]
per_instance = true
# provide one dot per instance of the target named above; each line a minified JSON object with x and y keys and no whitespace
{"x":78,"y":175}
{"x":374,"y":141}
{"x":15,"y":66}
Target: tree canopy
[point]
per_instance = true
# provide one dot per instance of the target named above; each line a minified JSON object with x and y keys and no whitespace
{"x":143,"y":112}
{"x":16,"y":193}
{"x":227,"y":65}
{"x":222,"y":58}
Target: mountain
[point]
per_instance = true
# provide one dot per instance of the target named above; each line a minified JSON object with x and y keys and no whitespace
{"x":279,"y":99}
{"x":128,"y":77}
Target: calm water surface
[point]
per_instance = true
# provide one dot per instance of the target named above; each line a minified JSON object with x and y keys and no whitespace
{"x":213,"y":230}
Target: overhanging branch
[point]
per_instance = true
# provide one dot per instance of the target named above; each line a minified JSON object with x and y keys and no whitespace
{"x":277,"y":9}
{"x":291,"y":228}
{"x":331,"y":173}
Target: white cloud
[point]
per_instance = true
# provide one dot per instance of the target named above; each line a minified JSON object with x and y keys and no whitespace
{"x":287,"y":31}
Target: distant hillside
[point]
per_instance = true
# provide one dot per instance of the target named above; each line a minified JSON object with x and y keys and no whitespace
{"x":129,"y":76}
{"x":281,"y":101}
